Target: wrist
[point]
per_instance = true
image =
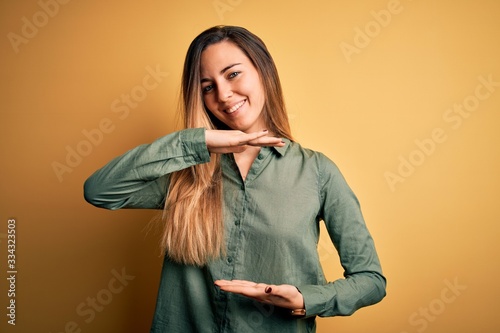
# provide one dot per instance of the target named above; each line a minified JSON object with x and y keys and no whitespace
{"x":300,"y":309}
{"x":298,"y":312}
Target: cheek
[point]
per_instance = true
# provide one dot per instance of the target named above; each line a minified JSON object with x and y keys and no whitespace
{"x":259,"y":95}
{"x":211,"y":107}
{"x":254,"y":89}
{"x":209,"y":102}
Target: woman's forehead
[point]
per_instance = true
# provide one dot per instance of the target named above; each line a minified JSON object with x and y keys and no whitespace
{"x":216,"y":57}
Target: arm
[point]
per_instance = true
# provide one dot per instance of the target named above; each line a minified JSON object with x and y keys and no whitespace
{"x":139,"y":178}
{"x":364,"y":283}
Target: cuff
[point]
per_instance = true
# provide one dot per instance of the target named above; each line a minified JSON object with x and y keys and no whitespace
{"x":315,"y":299}
{"x":194,"y":145}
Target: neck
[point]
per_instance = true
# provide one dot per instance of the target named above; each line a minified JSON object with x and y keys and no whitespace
{"x":244,"y":160}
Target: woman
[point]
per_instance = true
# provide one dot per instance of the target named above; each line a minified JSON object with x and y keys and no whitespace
{"x":242,"y":203}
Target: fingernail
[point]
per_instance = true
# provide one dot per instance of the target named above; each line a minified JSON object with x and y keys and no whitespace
{"x":268,"y":290}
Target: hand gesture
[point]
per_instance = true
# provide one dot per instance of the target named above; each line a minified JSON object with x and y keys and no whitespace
{"x":284,"y":295}
{"x":233,"y":141}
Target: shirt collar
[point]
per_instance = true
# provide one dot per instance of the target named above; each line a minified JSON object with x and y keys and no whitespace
{"x":282,"y":150}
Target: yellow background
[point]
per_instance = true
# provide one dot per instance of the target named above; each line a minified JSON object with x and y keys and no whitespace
{"x":436,"y":226}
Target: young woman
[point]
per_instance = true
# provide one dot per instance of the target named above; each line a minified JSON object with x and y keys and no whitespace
{"x":242,"y":203}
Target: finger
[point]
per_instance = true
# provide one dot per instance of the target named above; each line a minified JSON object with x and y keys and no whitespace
{"x":226,"y":150}
{"x":267,"y":141}
{"x":260,"y":288}
{"x":256,"y":135}
{"x":244,"y":289}
{"x":248,"y":138}
{"x":244,"y":282}
{"x":261,"y":292}
{"x":234,"y":285}
{"x":237,"y":289}
{"x":240,"y":283}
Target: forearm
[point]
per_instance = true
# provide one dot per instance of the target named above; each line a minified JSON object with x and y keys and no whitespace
{"x":344,"y":296}
{"x":138,"y":178}
{"x":364,"y":283}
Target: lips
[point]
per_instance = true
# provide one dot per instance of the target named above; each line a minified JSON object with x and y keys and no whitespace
{"x":235,"y":107}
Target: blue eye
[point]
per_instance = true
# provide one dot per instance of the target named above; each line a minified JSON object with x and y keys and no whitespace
{"x":207,"y":88}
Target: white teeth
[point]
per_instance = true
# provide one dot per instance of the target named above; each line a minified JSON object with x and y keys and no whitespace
{"x":236,"y":107}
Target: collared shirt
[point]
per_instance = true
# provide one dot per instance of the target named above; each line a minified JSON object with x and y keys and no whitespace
{"x":271,"y":228}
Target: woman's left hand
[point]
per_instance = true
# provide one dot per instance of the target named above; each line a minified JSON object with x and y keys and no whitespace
{"x":284,"y":295}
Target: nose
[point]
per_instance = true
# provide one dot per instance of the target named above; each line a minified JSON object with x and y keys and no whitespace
{"x":225,"y":92}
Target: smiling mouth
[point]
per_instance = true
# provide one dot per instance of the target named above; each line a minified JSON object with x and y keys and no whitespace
{"x":235,"y":107}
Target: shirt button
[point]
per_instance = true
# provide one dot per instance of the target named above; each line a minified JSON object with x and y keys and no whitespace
{"x":230,"y":260}
{"x":237,"y":222}
{"x":260,"y":156}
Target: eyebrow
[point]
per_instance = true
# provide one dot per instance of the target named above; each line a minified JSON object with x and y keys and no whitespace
{"x":222,"y":71}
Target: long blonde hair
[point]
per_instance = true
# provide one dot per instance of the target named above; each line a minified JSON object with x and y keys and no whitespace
{"x":193,"y":218}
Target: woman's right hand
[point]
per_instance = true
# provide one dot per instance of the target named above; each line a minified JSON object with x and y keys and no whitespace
{"x":233,"y":141}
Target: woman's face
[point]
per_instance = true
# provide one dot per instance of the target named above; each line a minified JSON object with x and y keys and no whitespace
{"x":231,"y":87}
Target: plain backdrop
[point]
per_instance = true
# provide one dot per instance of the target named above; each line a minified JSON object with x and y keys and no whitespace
{"x":403,"y":95}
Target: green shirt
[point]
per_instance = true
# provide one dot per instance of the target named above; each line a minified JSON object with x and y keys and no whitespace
{"x":272,"y":230}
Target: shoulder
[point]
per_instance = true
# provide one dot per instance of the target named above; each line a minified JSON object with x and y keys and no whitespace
{"x":327,"y":172}
{"x":297,"y":150}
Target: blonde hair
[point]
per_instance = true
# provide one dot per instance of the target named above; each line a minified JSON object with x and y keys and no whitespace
{"x":193,"y":218}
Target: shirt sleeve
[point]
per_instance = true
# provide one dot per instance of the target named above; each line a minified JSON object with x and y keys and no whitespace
{"x":363,"y":283}
{"x":139,"y":178}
